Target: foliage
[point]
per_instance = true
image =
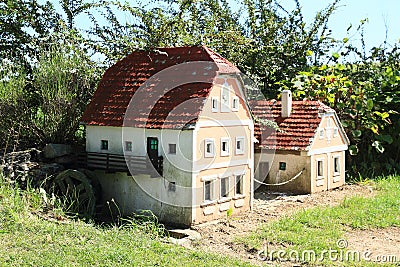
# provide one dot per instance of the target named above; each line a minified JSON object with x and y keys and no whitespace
{"x":64,"y":79}
{"x":366,"y":98}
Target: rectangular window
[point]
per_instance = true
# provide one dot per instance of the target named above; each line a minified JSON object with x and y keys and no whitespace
{"x":225,"y":144}
{"x":224,"y":187}
{"x":225,"y":94}
{"x":209,"y":148}
{"x":282,"y":166}
{"x":320,"y":168}
{"x":336,"y":165}
{"x":208,"y":191}
{"x":128,"y":146}
{"x":239,"y":145}
{"x":172,"y":149}
{"x":104,"y":145}
{"x":321,"y":133}
{"x":235,"y":103}
{"x":214,"y":104}
{"x":239,"y":184}
{"x":335,"y":132}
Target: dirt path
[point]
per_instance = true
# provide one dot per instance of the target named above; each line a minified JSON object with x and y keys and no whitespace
{"x":218,"y":236}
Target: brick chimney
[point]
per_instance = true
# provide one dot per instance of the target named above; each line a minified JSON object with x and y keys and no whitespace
{"x":286,"y":101}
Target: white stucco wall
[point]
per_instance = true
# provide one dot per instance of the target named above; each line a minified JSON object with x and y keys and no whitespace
{"x":141,"y":192}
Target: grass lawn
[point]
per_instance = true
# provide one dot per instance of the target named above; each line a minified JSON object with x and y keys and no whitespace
{"x":28,"y":240}
{"x":320,"y":229}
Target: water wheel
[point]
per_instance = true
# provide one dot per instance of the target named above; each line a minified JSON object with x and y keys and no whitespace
{"x":76,"y":189}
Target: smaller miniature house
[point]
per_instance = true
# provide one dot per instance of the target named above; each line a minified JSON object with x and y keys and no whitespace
{"x":307,"y":153}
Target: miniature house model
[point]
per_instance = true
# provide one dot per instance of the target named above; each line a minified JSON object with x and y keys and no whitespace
{"x":171,"y":131}
{"x":177,"y":118}
{"x":309,"y":146}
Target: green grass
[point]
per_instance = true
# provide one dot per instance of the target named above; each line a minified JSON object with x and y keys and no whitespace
{"x":320,"y":228}
{"x":29,"y":240}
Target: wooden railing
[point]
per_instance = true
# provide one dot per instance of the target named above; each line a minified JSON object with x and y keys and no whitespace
{"x":119,"y":163}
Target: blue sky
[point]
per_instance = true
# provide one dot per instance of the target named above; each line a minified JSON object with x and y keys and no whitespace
{"x":349,"y":12}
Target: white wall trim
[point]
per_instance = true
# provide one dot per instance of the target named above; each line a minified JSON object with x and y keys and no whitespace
{"x":225,"y":123}
{"x":327,"y":150}
{"x":194,"y":174}
{"x":224,"y":164}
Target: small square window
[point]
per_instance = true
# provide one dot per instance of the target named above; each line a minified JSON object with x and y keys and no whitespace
{"x":282,"y":166}
{"x":225,"y":147}
{"x":208,"y":191}
{"x":104,"y":144}
{"x":128,"y":146}
{"x":239,"y":184}
{"x":172,"y":186}
{"x":235,"y":103}
{"x":239,"y":145}
{"x":224,"y":187}
{"x":172,"y":149}
{"x":214,"y":104}
{"x":209,"y":148}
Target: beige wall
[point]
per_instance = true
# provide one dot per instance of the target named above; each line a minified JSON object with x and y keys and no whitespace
{"x":218,"y":208}
{"x":295,"y":162}
{"x":218,"y":125}
{"x":329,"y":180}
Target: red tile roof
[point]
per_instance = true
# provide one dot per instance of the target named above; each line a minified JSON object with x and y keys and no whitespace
{"x":295,"y":132}
{"x":162,"y":88}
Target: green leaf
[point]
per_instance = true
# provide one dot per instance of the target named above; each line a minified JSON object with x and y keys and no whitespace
{"x":385,"y":138}
{"x":345,"y":40}
{"x":335,"y":55}
{"x":353,"y":149}
{"x":309,"y":53}
{"x":356,"y":133}
{"x":370,"y":104}
{"x":378,"y":146}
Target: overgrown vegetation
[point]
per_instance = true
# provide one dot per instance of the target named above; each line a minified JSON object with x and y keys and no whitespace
{"x":50,"y":67}
{"x":320,"y":228}
{"x":35,"y":232}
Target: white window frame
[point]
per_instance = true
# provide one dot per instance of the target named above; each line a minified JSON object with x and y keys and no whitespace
{"x":321,"y":133}
{"x":225,"y":153}
{"x":212,"y":152}
{"x":338,"y":161}
{"x":227,"y":188}
{"x":241,"y":150}
{"x":323,"y":173}
{"x":126,"y":146}
{"x":169,"y":148}
{"x":211,"y":180}
{"x":335,"y":132}
{"x":241,"y":175}
{"x":214,"y":108}
{"x":235,"y":103}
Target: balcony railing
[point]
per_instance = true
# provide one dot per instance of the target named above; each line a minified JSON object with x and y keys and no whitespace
{"x":119,"y":163}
